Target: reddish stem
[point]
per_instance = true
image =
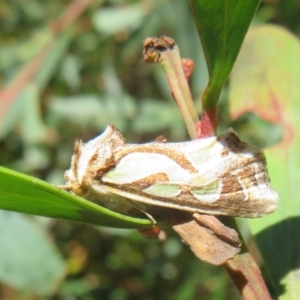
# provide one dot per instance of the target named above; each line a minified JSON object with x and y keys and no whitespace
{"x":247,"y":277}
{"x":208,"y":123}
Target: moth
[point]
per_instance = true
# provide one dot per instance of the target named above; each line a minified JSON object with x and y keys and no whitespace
{"x":218,"y":175}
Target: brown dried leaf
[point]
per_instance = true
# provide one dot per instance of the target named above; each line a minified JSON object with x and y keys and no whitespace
{"x":207,"y":237}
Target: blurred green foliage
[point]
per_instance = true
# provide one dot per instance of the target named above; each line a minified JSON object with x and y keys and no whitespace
{"x":66,"y":74}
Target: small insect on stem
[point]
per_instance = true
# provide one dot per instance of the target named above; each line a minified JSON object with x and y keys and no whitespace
{"x":215,"y":175}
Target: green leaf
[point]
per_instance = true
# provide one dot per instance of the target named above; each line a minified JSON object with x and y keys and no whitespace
{"x":28,"y":261}
{"x":266,"y":81}
{"x":26,"y":194}
{"x":222,"y":26}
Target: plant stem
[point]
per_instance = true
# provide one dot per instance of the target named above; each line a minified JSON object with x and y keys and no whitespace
{"x":164,"y":51}
{"x":245,"y":272}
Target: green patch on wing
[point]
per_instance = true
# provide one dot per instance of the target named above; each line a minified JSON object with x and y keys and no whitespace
{"x":114,"y":174}
{"x":164,"y":190}
{"x":211,"y":188}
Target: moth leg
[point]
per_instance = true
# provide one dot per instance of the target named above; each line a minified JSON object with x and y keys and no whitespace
{"x":143,"y":211}
{"x":149,"y":217}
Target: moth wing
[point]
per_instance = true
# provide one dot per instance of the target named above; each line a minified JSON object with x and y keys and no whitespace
{"x":219,"y":176}
{"x":202,"y":200}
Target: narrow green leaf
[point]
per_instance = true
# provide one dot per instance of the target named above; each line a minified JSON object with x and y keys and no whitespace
{"x":222,"y":26}
{"x":26,"y":194}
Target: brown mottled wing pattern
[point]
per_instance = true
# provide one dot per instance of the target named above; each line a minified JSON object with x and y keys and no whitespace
{"x":215,"y":176}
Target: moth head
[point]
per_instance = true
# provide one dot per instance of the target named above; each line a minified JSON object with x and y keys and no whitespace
{"x":91,"y":160}
{"x":76,"y":188}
